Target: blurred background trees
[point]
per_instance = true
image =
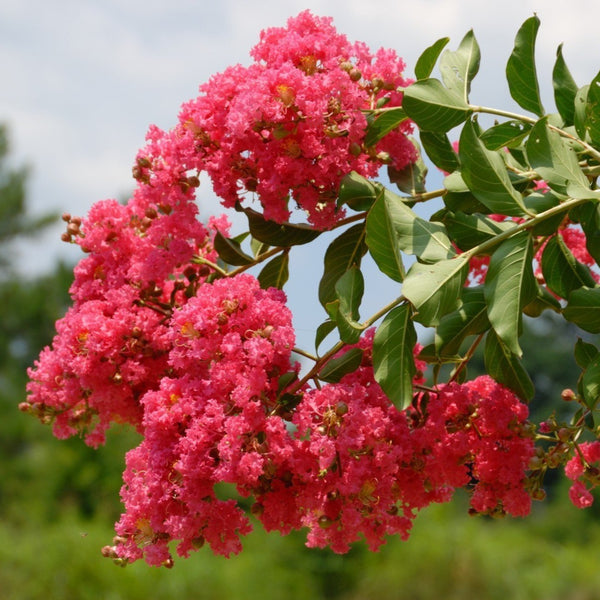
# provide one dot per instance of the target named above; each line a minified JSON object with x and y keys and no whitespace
{"x":58,"y":499}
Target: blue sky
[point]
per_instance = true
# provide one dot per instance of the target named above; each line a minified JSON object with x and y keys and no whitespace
{"x":83,"y":79}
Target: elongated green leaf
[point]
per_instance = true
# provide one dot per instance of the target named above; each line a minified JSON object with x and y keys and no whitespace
{"x":580,"y":111}
{"x":439,"y":149}
{"x":393,"y":360}
{"x":341,"y":365}
{"x":509,"y":286}
{"x":323,"y":330}
{"x":542,"y":301}
{"x":591,"y":383}
{"x":276,"y":234}
{"x":349,"y":290}
{"x":410,"y":179}
{"x":357,"y":192}
{"x":344,"y":252}
{"x":520,"y":69}
{"x":383,"y":124}
{"x":584,"y":353}
{"x":428,"y":58}
{"x":469,"y":231}
{"x":583,"y":309}
{"x":565,"y":89}
{"x":592,"y":111}
{"x":590,"y":222}
{"x":506,"y":368}
{"x":485,"y":174}
{"x":230,"y":251}
{"x":275,"y":273}
{"x":434,"y":290}
{"x":554,"y":160}
{"x":434,"y":108}
{"x":392,"y":225}
{"x":562,"y":272}
{"x":539,"y":202}
{"x":470,"y":319}
{"x":458,"y":68}
{"x":510,"y":133}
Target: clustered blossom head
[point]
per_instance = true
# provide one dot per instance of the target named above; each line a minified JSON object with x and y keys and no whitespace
{"x":289,"y":126}
{"x":582,"y":469}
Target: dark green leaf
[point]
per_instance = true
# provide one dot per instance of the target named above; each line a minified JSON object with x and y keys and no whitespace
{"x":591,"y":383}
{"x":357,"y":192}
{"x":230,"y":251}
{"x":520,"y":69}
{"x":434,"y":108}
{"x":275,"y":273}
{"x":342,"y":254}
{"x":410,"y":179}
{"x":349,"y":290}
{"x":506,"y":368}
{"x":434,"y":290}
{"x":511,"y":133}
{"x":276,"y":234}
{"x":590,"y":222}
{"x":539,"y":202}
{"x":592,"y":111}
{"x":584,"y":353}
{"x":554,"y":160}
{"x":509,"y":286}
{"x":470,"y":319}
{"x":383,"y":124}
{"x":341,"y":365}
{"x":428,"y":58}
{"x":562,"y":272}
{"x":458,"y":68}
{"x":393,"y":360}
{"x":565,"y":89}
{"x":485,"y":174}
{"x":543,"y":300}
{"x":439,"y":149}
{"x":583,"y":309}
{"x":469,"y":231}
{"x":323,"y":330}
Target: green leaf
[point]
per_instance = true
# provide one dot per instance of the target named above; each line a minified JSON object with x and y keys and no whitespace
{"x":565,"y":89}
{"x":342,"y":254}
{"x":562,"y":272}
{"x":433,"y":107}
{"x":510,"y":133}
{"x":590,"y":223}
{"x":323,"y":330}
{"x":357,"y":192}
{"x":584,"y":353}
{"x":230,"y":251}
{"x":509,"y":286}
{"x":258,"y":247}
{"x":520,"y":69}
{"x":410,"y":179}
{"x":583,"y":309}
{"x":434,"y":290}
{"x":553,"y":159}
{"x":439,"y":149}
{"x":460,"y":67}
{"x":392,"y":225}
{"x":485,"y":174}
{"x":470,"y":319}
{"x":591,"y":383}
{"x":539,"y":202}
{"x":349,"y":290}
{"x":383,"y":124}
{"x":428,"y":58}
{"x":469,"y":231}
{"x":341,"y":365}
{"x":506,"y":368}
{"x":592,"y":111}
{"x":393,"y":360}
{"x":275,"y":273}
{"x":580,"y":111}
{"x":278,"y":234}
{"x":543,"y":300}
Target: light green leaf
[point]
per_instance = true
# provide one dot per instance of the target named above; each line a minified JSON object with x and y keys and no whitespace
{"x":439,"y":149}
{"x":562,"y":272}
{"x":428,"y":58}
{"x":349,"y":290}
{"x":485,"y":174}
{"x":383,"y":124}
{"x":342,"y":254}
{"x":591,"y":383}
{"x":584,"y":353}
{"x":357,"y":192}
{"x":509,"y":286}
{"x":583,"y":309}
{"x":565,"y":89}
{"x":341,"y":365}
{"x":506,"y":368}
{"x":434,"y":290}
{"x":323,"y":330}
{"x":433,"y":107}
{"x":393,"y":360}
{"x":554,"y":160}
{"x":275,"y":273}
{"x":580,"y":111}
{"x":592,"y":111}
{"x":460,"y":67}
{"x":520,"y":69}
{"x":510,"y":133}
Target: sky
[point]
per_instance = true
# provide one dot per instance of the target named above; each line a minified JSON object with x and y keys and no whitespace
{"x":81,"y":80}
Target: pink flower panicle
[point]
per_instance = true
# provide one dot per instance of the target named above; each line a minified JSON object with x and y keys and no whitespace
{"x":583,"y":470}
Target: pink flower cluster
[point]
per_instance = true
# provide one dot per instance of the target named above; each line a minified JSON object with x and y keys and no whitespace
{"x":288,"y":126}
{"x":581,"y":470}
